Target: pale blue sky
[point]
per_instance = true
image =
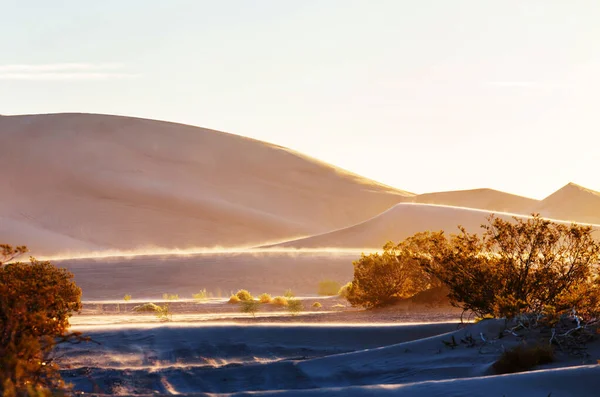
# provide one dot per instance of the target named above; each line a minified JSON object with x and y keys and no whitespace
{"x":421,"y":95}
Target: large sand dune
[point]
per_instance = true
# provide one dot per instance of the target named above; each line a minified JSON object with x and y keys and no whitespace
{"x":485,"y":199}
{"x":572,"y":202}
{"x":81,"y":182}
{"x":397,"y":223}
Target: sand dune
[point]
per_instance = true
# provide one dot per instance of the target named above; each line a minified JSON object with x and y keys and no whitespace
{"x":485,"y":199}
{"x":83,"y":181}
{"x":322,"y":359}
{"x":401,"y":221}
{"x":572,"y":202}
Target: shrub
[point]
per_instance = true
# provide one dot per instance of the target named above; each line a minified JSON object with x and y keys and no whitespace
{"x":234,"y":299}
{"x":317,"y":305}
{"x":523,"y":358}
{"x":344,"y":291}
{"x":328,"y":288}
{"x":146,"y":308}
{"x":127,"y":298}
{"x":244,"y":295}
{"x":519,"y":267}
{"x":295,"y":306}
{"x":36,"y":301}
{"x":288,"y":293}
{"x":280,"y":301}
{"x":163,"y":313}
{"x":201,"y":295}
{"x":250,"y":306}
{"x":380,"y":279}
{"x":265,"y":298}
{"x":171,"y":297}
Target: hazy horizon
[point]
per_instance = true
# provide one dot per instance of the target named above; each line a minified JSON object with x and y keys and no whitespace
{"x":424,"y":97}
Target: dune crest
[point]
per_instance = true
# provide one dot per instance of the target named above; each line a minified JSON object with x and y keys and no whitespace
{"x":87,"y":181}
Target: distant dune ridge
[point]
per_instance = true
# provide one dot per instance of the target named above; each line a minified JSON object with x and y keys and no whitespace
{"x":86,"y":182}
{"x":79,"y":182}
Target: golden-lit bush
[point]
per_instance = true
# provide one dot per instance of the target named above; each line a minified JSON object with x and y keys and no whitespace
{"x":36,"y":301}
{"x":294,"y":306}
{"x":288,"y":293}
{"x":234,"y":299}
{"x":200,"y":295}
{"x":127,"y":298}
{"x":328,"y":288}
{"x":265,"y":298}
{"x":244,"y":295}
{"x":317,"y":305}
{"x":280,"y":301}
{"x":381,"y":279}
{"x":525,"y":266}
{"x":344,"y":291}
{"x":523,"y":358}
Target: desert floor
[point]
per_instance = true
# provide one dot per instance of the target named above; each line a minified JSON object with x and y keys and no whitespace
{"x":210,"y":348}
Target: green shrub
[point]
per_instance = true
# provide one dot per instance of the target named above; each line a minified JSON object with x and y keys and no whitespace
{"x":317,"y":305}
{"x":523,"y":358}
{"x":328,"y":288}
{"x":244,"y":295}
{"x":201,"y":295}
{"x":250,"y":306}
{"x":288,"y":293}
{"x":171,"y":297}
{"x":295,"y":306}
{"x":280,"y":301}
{"x":265,"y":298}
{"x":234,"y":299}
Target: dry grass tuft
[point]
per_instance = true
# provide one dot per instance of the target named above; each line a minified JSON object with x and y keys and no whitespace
{"x":523,"y":358}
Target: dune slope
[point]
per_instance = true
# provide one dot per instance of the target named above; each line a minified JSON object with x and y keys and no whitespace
{"x":73,"y":182}
{"x":397,"y":223}
{"x":573,"y":203}
{"x":485,"y":199}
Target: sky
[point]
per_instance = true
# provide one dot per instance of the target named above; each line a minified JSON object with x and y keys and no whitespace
{"x":424,"y":96}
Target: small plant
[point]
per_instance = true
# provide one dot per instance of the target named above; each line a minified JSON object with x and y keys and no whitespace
{"x":201,"y":295}
{"x":523,"y":358}
{"x":171,"y":297}
{"x":295,"y":306}
{"x":345,"y":290}
{"x":250,"y":306}
{"x":265,"y":298}
{"x":289,"y":294}
{"x":146,"y":308}
{"x":244,"y":295}
{"x":163,"y":313}
{"x":234,"y":299}
{"x":328,"y":288}
{"x":317,"y":305}
{"x":338,"y":306}
{"x":127,"y":298}
{"x":280,"y":301}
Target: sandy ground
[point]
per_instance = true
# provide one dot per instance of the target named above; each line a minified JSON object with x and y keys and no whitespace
{"x":412,"y":359}
{"x":149,"y":277}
